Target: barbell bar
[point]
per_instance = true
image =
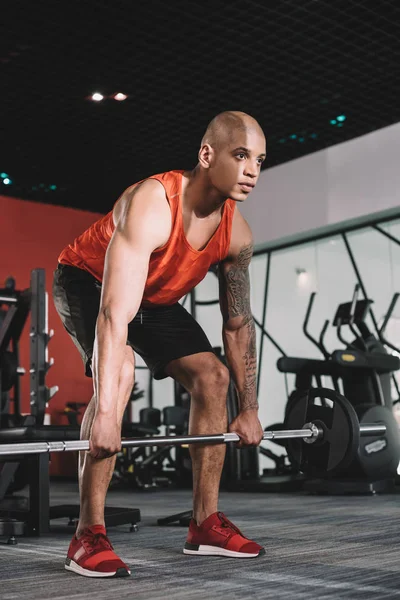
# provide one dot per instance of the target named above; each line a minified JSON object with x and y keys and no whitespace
{"x":310,"y":433}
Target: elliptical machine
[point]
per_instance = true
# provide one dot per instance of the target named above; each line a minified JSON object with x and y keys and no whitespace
{"x":363,"y":370}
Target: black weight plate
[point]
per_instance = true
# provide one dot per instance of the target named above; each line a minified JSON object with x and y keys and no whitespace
{"x":8,"y":366}
{"x":378,"y":456}
{"x":340,"y":441}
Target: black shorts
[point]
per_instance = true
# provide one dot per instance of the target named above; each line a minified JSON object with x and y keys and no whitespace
{"x":159,"y":335}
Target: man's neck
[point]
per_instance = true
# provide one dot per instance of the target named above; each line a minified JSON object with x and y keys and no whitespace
{"x":199,"y":196}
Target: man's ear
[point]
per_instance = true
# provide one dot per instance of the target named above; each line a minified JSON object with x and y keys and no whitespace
{"x":206,"y":155}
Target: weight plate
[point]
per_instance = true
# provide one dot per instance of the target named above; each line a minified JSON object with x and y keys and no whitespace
{"x":8,"y":368}
{"x":339,"y":422}
{"x":378,"y":456}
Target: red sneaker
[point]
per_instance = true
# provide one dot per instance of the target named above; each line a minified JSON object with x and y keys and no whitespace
{"x":92,"y":555}
{"x":217,"y":536}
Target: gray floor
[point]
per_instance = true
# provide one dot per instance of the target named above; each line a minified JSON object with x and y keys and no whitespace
{"x":317,"y":547}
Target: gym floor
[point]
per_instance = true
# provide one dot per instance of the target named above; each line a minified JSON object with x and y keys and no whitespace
{"x":317,"y":547}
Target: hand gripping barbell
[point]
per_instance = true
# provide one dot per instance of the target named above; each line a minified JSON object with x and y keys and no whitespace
{"x":328,"y":441}
{"x":310,"y":434}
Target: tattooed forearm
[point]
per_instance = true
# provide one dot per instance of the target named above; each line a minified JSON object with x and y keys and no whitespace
{"x":248,"y":396}
{"x":240,"y":333}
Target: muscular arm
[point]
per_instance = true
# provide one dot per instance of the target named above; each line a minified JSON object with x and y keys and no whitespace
{"x":142,"y":224}
{"x":238,"y":330}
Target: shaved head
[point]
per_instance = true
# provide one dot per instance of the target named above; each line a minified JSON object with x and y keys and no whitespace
{"x":231,"y":154}
{"x":224,"y":127}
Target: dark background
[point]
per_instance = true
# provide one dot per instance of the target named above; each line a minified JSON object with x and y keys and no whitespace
{"x":295,"y":65}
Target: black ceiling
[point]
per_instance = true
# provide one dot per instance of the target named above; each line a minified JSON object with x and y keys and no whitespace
{"x":293,"y":64}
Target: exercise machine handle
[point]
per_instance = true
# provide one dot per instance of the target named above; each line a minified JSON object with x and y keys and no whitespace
{"x":320,"y":346}
{"x":388,"y":314}
{"x":354,"y":304}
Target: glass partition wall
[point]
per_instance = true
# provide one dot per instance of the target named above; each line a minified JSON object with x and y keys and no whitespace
{"x":282,"y":280}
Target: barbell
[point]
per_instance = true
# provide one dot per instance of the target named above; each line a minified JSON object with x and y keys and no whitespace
{"x":321,"y":439}
{"x":310,"y":433}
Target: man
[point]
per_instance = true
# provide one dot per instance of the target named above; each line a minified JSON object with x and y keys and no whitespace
{"x":117,"y":289}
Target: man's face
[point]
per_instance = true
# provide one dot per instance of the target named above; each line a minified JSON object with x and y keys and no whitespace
{"x":236,"y":165}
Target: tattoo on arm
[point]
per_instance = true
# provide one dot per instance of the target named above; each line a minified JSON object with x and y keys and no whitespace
{"x":235,"y":287}
{"x":235,"y":303}
{"x":248,"y":397}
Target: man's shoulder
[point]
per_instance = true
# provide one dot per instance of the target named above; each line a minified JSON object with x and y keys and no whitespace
{"x":165,"y":174}
{"x":241,"y":230}
{"x":140,"y":198}
{"x":169,"y":180}
{"x":241,"y":239}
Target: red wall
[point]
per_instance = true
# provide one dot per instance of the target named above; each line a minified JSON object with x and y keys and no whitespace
{"x":31,"y":236}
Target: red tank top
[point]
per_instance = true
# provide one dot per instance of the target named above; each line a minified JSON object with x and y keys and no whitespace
{"x":174,"y":269}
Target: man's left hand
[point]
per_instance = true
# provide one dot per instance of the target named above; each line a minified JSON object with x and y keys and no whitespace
{"x":248,"y":428}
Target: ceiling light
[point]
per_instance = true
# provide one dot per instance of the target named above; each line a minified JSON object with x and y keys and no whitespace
{"x":7,"y":181}
{"x":338,"y":121}
{"x":97,"y":97}
{"x":120,"y":96}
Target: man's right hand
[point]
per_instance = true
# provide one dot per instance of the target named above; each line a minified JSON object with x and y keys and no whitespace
{"x":105,"y":437}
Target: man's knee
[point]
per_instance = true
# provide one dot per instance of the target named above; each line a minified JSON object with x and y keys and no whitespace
{"x":211,"y":380}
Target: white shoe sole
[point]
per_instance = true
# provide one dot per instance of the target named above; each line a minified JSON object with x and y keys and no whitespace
{"x":216,"y":551}
{"x":75,"y":568}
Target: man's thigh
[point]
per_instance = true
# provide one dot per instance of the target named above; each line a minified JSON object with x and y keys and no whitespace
{"x":166,"y":334}
{"x":76,"y":295}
